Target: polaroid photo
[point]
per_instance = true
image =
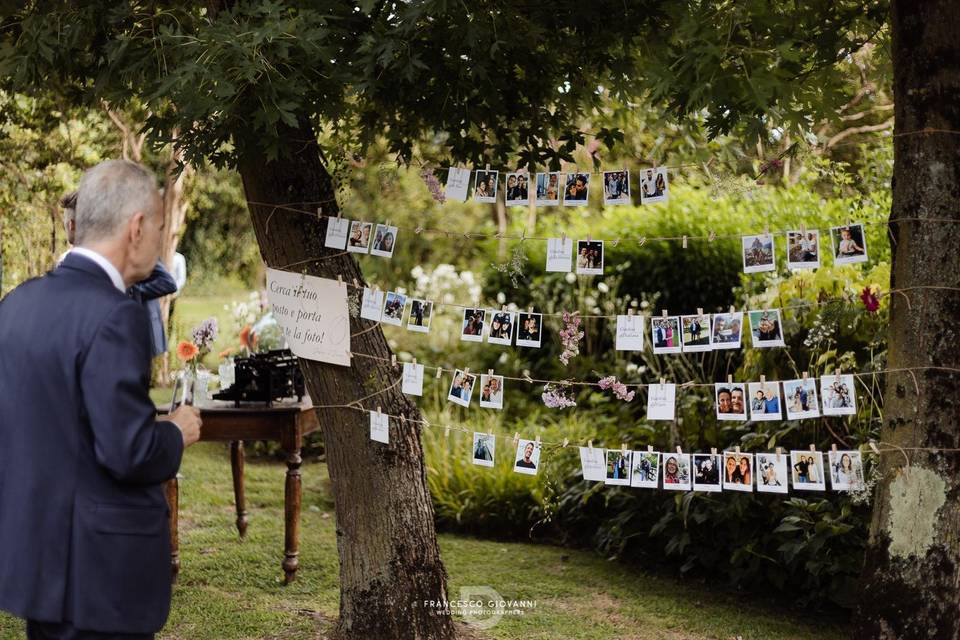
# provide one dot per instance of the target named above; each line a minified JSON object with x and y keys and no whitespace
{"x":766,"y":328}
{"x":765,"y":401}
{"x":653,"y":185}
{"x":661,"y":401}
{"x":529,"y":329}
{"x":472,"y":328}
{"x":665,"y":334}
{"x":629,"y":333}
{"x":337,"y":231}
{"x":676,"y":471}
{"x":737,"y":471}
{"x":485,"y":186}
{"x":590,"y":257}
{"x":696,"y":333}
{"x":731,"y":401}
{"x":807,"y":471}
{"x":393,"y":308}
{"x":616,"y":187}
{"x":458,"y":182}
{"x":849,"y":244}
{"x":803,"y":249}
{"x":618,"y":467}
{"x":359,"y":240}
{"x":502,"y":324}
{"x":771,"y":470}
{"x":706,"y":472}
{"x":800,"y":399}
{"x":528,"y":457}
{"x":846,"y":470}
{"x":727,"y":331}
{"x":646,"y":469}
{"x":421,"y":314}
{"x":371,"y":306}
{"x":548,"y":189}
{"x":518,"y":189}
{"x":559,"y":255}
{"x":576,"y":189}
{"x":838,"y":394}
{"x":484,"y":446}
{"x":384,"y":241}
{"x":380,"y":427}
{"x":758,"y":253}
{"x":491,"y":391}
{"x":593,"y":464}
{"x":461,"y":388}
{"x":412,"y":379}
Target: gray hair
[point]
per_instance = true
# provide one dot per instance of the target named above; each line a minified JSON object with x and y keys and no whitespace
{"x":109,"y":194}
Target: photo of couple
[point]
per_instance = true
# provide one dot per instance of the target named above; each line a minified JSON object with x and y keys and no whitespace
{"x":359,"y":240}
{"x":653,"y":185}
{"x":766,"y":329}
{"x":837,"y":395}
{"x":491,"y":391}
{"x":849,"y":245}
{"x":772,"y":472}
{"x":518,"y":189}
{"x":738,"y":471}
{"x":529,"y":329}
{"x":696,"y":332}
{"x":730,"y":401}
{"x":383,"y":241}
{"x":801,"y":399}
{"x":393,"y":308}
{"x":676,"y":471}
{"x":484,"y":445}
{"x":803,"y":249}
{"x":461,"y":388}
{"x":765,"y":401}
{"x":727,"y":329}
{"x":645,"y":470}
{"x":577,"y":189}
{"x":590,"y":257}
{"x":421,"y":312}
{"x":666,"y":334}
{"x":618,"y":467}
{"x":528,"y":457}
{"x":706,"y":472}
{"x":846,"y":470}
{"x":758,"y":253}
{"x":472,"y":328}
{"x":616,"y":187}
{"x":501,"y":327}
{"x":548,"y":189}
{"x":808,"y":470}
{"x":485,"y":187}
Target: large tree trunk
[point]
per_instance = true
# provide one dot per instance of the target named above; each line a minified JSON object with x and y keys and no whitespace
{"x":911,"y":581}
{"x":389,"y":557}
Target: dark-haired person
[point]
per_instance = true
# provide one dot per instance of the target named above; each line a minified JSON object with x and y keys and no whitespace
{"x":724,"y":401}
{"x":526,"y":462}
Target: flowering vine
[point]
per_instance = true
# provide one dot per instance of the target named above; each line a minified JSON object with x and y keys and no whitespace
{"x":570,"y":337}
{"x":555,"y":397}
{"x":619,"y":389}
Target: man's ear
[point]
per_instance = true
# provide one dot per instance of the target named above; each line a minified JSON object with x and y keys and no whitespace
{"x":135,"y":227}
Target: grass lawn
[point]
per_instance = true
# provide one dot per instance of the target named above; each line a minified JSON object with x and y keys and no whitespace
{"x":230,"y":589}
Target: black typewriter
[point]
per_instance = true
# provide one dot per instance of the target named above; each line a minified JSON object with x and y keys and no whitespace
{"x":265,"y":377}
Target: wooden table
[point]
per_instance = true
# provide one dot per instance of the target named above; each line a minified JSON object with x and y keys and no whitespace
{"x":287,"y":423}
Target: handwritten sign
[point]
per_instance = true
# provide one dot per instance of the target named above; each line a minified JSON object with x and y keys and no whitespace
{"x":661,"y":401}
{"x":629,"y":333}
{"x":380,"y":427}
{"x":594,"y":464}
{"x":458,"y":181}
{"x":413,"y":379}
{"x":337,"y":233}
{"x":559,"y":255}
{"x":371,"y":308}
{"x":312,"y":313}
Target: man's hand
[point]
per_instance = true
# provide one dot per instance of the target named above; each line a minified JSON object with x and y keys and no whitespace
{"x":188,"y":421}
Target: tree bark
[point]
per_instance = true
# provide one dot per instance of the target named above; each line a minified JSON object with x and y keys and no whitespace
{"x":389,"y":558}
{"x":911,"y":581}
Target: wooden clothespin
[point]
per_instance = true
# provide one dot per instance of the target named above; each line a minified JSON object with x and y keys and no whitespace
{"x":615,"y":242}
{"x":446,"y":431}
{"x":379,"y":413}
{"x":489,"y":372}
{"x":414,"y":362}
{"x":526,"y":376}
{"x":713,"y":451}
{"x":589,"y":444}
{"x":630,"y":311}
{"x":340,"y":279}
{"x":664,"y":313}
{"x":763,"y":379}
{"x":538,"y":442}
{"x":563,"y":237}
{"x":649,"y":448}
{"x":712,"y":236}
{"x":418,"y":230}
{"x":530,"y":309}
{"x":516,"y":438}
{"x":805,"y":375}
{"x":623,"y":449}
{"x":779,"y":451}
{"x":439,"y":371}
{"x":803,"y":229}
{"x":833,"y":447}
{"x":873,"y":447}
{"x":503,"y":307}
{"x":699,"y":311}
{"x":813,"y":447}
{"x":339,"y":214}
{"x":679,"y":451}
{"x":766,"y":230}
{"x":466,"y":371}
{"x":393,"y":360}
{"x":663,"y":381}
{"x":736,"y":449}
{"x":566,"y":441}
{"x":642,"y":241}
{"x":729,"y":378}
{"x":356,"y":284}
{"x":684,"y":242}
{"x":733,"y":309}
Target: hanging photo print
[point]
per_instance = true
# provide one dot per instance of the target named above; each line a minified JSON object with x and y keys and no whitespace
{"x":758,"y":253}
{"x":665,"y":332}
{"x":616,"y":187}
{"x":593,"y":464}
{"x":528,"y":457}
{"x":731,"y":401}
{"x":737,"y":471}
{"x":484,"y":446}
{"x":393,"y":308}
{"x":849,"y":244}
{"x":706,"y":472}
{"x":696,"y":333}
{"x":646,"y":469}
{"x":461,"y":388}
{"x":559,"y":255}
{"x":803,"y":249}
{"x":771,"y":470}
{"x":491,"y":391}
{"x":518,"y":189}
{"x":421,"y":313}
{"x":371,"y":307}
{"x":846,"y":470}
{"x":472,"y":328}
{"x":661,"y":401}
{"x":838,"y":395}
{"x":800,"y":399}
{"x":765,"y":401}
{"x":590,"y":257}
{"x":653,"y":185}
{"x":548,"y":189}
{"x":727,"y":329}
{"x":676,"y":471}
{"x":501,"y":327}
{"x":576,"y":190}
{"x":458,"y":182}
{"x":412,"y":379}
{"x":359,"y":240}
{"x":485,"y":186}
{"x":379,"y":427}
{"x":529,"y":329}
{"x":766,"y":328}
{"x":808,"y":471}
{"x":629,"y":333}
{"x":618,"y":467}
{"x":337,"y":231}
{"x":384,"y":239}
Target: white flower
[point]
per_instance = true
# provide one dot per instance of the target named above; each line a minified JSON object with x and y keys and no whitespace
{"x":590,"y":301}
{"x":501,"y":297}
{"x":504,"y":358}
{"x":632,"y":368}
{"x":602,"y":286}
{"x":644,"y":304}
{"x":570,"y":277}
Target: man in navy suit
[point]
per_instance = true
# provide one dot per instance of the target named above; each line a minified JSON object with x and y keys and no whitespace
{"x":84,"y":526}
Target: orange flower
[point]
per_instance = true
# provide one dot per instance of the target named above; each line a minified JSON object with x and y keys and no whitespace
{"x":187,"y":351}
{"x":245,"y":336}
{"x":226,"y":352}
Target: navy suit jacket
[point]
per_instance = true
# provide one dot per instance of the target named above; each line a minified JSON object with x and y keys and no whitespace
{"x":159,"y":284}
{"x":84,"y":525}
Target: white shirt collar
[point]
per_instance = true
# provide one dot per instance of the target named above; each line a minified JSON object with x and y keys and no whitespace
{"x":104,"y":264}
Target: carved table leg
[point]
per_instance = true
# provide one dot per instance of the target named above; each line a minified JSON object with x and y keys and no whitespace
{"x":237,"y":463}
{"x":292,"y":498}
{"x":173,"y":501}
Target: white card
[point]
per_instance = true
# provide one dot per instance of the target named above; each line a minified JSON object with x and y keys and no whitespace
{"x":629,"y":333}
{"x":661,"y":399}
{"x":594,"y":464}
{"x":412,"y":379}
{"x":380,"y":427}
{"x":337,"y":229}
{"x":559,"y":255}
{"x":371,"y":308}
{"x":458,"y":181}
{"x":313,"y":315}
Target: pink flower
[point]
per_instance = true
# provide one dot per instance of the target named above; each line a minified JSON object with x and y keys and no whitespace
{"x":556,"y":398}
{"x":433,"y":185}
{"x":870,"y":298}
{"x":570,"y":337}
{"x":619,"y":389}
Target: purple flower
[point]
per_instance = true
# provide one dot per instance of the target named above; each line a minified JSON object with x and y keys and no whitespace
{"x":205,"y":334}
{"x":436,"y":190}
{"x":570,"y":337}
{"x":619,"y":389}
{"x":556,"y":398}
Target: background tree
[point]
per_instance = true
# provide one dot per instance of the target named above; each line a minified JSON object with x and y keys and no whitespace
{"x":289,"y":94}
